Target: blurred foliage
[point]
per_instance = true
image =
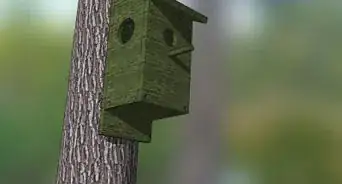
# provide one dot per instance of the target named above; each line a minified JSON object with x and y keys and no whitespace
{"x":285,"y":108}
{"x":33,"y":67}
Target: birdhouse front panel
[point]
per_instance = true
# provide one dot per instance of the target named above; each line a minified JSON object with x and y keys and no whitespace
{"x":121,"y":114}
{"x":125,"y":60}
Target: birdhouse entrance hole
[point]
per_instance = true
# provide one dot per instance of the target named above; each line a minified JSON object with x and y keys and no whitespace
{"x":126,"y":30}
{"x":169,"y":37}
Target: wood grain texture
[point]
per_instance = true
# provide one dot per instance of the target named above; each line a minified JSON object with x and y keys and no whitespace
{"x":142,"y":82}
{"x":86,"y":157}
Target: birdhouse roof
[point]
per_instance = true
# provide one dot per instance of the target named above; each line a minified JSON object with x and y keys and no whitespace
{"x":194,"y":15}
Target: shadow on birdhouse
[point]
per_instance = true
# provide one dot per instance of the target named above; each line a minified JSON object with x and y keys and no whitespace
{"x":148,"y":65}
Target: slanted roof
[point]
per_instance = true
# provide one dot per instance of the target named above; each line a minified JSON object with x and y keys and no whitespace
{"x":194,"y":15}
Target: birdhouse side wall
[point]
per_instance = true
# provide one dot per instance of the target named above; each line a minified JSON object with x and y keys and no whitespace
{"x":181,"y":21}
{"x":166,"y":83}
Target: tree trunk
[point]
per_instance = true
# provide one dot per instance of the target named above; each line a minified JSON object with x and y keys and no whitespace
{"x":86,"y":157}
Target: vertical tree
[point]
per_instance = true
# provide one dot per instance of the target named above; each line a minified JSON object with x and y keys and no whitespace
{"x":86,"y":157}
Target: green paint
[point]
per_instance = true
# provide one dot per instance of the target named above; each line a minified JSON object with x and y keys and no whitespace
{"x":147,"y":74}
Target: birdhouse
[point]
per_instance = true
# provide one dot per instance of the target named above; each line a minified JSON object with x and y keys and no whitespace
{"x":148,"y":65}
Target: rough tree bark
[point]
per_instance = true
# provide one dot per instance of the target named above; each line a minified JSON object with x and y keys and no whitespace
{"x":86,"y":157}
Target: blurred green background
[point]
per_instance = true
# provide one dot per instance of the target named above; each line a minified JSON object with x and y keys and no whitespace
{"x":281,"y":123}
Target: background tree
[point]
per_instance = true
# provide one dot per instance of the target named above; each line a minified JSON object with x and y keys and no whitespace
{"x":198,"y":159}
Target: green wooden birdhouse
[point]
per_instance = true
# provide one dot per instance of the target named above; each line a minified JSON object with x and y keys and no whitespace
{"x":147,"y":74}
